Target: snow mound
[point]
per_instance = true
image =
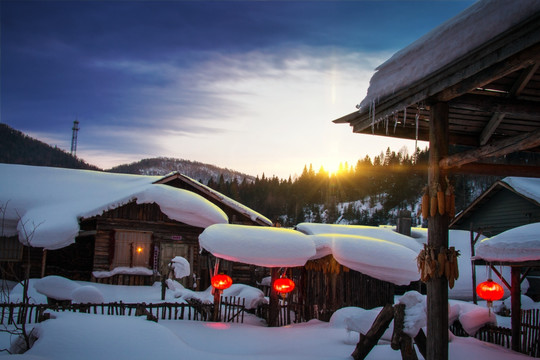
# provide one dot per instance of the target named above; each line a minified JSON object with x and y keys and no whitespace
{"x":56,"y":287}
{"x":180,"y":267}
{"x":87,"y":294}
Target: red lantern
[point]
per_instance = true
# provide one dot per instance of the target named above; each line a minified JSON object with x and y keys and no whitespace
{"x":284,"y":285}
{"x":490,"y":291}
{"x":221,"y":281}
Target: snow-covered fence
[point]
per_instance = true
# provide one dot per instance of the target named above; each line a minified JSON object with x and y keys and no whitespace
{"x":232,"y":310}
{"x":530,"y":333}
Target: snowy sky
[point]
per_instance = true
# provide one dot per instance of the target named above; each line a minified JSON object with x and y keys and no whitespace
{"x":248,"y":85}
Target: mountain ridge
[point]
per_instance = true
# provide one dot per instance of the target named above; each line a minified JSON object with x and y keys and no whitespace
{"x":17,"y":147}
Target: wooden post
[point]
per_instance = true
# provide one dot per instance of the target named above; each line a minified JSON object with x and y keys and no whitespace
{"x":473,"y":267}
{"x":273,"y":306}
{"x":437,"y":287}
{"x":400,"y":340}
{"x":43,"y":263}
{"x":515,"y":292}
{"x":368,"y":341}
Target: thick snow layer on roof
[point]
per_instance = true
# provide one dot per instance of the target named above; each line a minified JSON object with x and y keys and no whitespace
{"x":385,"y":233}
{"x":50,"y":201}
{"x":262,"y":246}
{"x":377,"y":258}
{"x":528,"y":187}
{"x":253,"y":215}
{"x":272,"y":247}
{"x":518,"y":244}
{"x":454,"y":38}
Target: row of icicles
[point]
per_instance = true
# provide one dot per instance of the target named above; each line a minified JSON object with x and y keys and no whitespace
{"x":436,"y":200}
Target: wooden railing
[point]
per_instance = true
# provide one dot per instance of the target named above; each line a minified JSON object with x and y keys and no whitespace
{"x":530,"y":333}
{"x":231,"y":310}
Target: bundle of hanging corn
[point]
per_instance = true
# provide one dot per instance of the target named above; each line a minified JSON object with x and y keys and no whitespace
{"x":327,"y":265}
{"x":435,"y":200}
{"x":434,"y":264}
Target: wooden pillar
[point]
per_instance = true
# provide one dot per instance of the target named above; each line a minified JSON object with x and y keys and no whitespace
{"x":273,"y":306}
{"x":437,"y":287}
{"x":515,"y":292}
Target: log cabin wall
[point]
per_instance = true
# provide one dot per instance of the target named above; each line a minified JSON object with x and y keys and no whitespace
{"x":321,"y":292}
{"x":165,"y":232}
{"x":502,"y":211}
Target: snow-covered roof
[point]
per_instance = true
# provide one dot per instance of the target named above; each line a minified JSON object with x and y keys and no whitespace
{"x":253,"y":215}
{"x":50,"y":201}
{"x":476,"y":25}
{"x":379,"y":257}
{"x":515,"y":245}
{"x":385,"y":233}
{"x":257,"y":245}
{"x":528,"y":187}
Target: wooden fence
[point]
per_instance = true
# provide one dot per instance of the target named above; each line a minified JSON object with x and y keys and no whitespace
{"x":530,"y":333}
{"x":231,"y":310}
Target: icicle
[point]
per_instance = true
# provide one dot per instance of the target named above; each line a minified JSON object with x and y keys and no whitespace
{"x":417,"y":118}
{"x":404,"y":116}
{"x":395,"y":121}
{"x":386,"y":123}
{"x":373,"y":118}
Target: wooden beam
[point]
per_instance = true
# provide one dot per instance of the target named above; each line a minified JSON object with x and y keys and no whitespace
{"x":517,"y":143}
{"x":515,"y":91}
{"x":509,"y":106}
{"x":524,"y":79}
{"x":497,"y":170}
{"x":485,"y":76}
{"x":490,"y":128}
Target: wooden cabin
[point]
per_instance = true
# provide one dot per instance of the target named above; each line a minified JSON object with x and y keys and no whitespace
{"x":128,"y":242}
{"x":502,"y":207}
{"x":507,"y":204}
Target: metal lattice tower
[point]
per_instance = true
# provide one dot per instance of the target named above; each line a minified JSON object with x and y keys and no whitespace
{"x":74,"y":138}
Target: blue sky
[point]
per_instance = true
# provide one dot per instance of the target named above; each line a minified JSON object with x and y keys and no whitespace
{"x":248,"y":85}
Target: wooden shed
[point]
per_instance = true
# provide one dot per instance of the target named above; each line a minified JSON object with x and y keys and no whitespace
{"x":326,"y":286}
{"x":508,"y":203}
{"x":479,"y":91}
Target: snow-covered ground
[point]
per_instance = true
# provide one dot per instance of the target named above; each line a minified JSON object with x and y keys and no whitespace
{"x":84,"y":336}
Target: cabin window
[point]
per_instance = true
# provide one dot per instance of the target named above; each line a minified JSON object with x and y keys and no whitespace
{"x":10,"y":249}
{"x":132,"y":248}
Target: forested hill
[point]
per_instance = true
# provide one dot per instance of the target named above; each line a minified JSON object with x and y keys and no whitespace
{"x":19,"y":148}
{"x":196,"y":170}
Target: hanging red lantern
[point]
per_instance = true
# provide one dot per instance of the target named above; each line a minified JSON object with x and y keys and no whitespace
{"x":221,"y":281}
{"x":489,"y":290}
{"x":284,"y":285}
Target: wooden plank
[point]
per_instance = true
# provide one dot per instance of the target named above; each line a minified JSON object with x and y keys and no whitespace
{"x":497,"y":170}
{"x":517,"y":143}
